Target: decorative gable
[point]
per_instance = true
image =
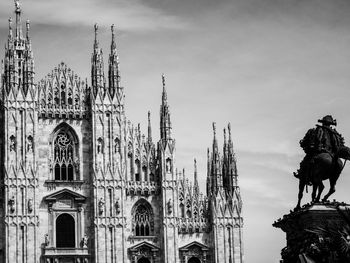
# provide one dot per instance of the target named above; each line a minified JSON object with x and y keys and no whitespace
{"x":65,"y":199}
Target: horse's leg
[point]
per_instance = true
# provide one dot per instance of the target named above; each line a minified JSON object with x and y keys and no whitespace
{"x":332,"y":183}
{"x":338,"y":167}
{"x":300,"y":194}
{"x":320,"y":190}
{"x":314,"y":190}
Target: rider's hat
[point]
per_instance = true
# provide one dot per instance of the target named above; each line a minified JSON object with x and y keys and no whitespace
{"x":328,"y":119}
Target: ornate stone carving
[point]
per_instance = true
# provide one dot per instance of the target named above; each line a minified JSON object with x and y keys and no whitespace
{"x":30,"y":206}
{"x":11,"y":204}
{"x":13,"y":143}
{"x":47,"y":240}
{"x":101,"y":206}
{"x":169,"y":206}
{"x":30,"y":144}
{"x":117,"y":206}
{"x":84,"y":241}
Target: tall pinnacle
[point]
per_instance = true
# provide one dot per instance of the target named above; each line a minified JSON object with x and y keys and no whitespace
{"x":165,"y":123}
{"x":97,"y":68}
{"x":195,"y":181}
{"x":215,"y":143}
{"x":10,"y":28}
{"x":96,"y":31}
{"x":113,"y":66}
{"x":149,"y":139}
{"x":28,"y":28}
{"x":164,"y":94}
{"x":113,"y":44}
{"x":18,"y":12}
{"x":230,"y":144}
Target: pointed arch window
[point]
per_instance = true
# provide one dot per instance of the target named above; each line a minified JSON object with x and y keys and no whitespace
{"x":65,"y":155}
{"x":182,"y":210}
{"x":143,"y":219}
{"x":138,"y":170}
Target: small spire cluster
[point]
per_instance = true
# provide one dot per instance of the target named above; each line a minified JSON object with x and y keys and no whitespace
{"x":193,"y":205}
{"x":222,"y":170}
{"x":17,"y":70}
{"x":98,"y":81}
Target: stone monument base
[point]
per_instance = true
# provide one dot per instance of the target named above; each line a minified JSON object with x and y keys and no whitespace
{"x":318,"y":232}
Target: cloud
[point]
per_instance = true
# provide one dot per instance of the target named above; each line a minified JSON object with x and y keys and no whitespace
{"x":127,"y":15}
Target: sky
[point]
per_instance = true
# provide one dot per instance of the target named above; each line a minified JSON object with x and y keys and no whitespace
{"x":271,"y":68}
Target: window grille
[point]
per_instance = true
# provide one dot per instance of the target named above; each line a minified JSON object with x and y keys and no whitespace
{"x":64,"y":157}
{"x":143,"y":219}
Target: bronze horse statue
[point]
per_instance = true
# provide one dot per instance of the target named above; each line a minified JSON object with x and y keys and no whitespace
{"x":324,"y":166}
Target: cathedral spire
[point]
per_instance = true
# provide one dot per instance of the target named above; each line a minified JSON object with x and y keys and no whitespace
{"x":164,"y":94}
{"x":18,"y":12}
{"x":195,"y":181}
{"x":97,"y":68}
{"x":113,"y":66}
{"x":10,"y":28}
{"x":232,"y":166}
{"x":225,"y":143}
{"x":96,"y":41}
{"x":27,"y":30}
{"x":230,"y":144}
{"x":215,"y":142}
{"x":165,"y":123}
{"x":149,"y":137}
{"x":113,"y":44}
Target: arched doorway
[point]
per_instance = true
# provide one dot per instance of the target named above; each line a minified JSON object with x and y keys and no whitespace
{"x":143,"y":260}
{"x":65,"y":231}
{"x":194,"y":260}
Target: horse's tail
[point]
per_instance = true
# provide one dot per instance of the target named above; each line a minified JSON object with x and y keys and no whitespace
{"x":343,"y":152}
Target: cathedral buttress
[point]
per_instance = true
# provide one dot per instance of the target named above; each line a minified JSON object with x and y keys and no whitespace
{"x":18,"y":140}
{"x":169,"y":183}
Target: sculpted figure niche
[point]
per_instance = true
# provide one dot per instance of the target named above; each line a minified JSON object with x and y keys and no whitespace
{"x":324,"y":147}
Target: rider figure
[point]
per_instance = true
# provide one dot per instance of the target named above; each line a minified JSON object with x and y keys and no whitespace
{"x":317,"y":140}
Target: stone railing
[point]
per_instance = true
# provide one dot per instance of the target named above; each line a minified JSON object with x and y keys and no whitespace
{"x":71,"y":111}
{"x":141,"y":188}
{"x":58,"y":255}
{"x":193,"y":225}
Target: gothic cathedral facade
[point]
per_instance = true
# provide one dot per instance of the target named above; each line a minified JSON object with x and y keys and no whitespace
{"x":79,"y":183}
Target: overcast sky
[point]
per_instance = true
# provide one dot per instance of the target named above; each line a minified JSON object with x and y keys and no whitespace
{"x":270,"y":67}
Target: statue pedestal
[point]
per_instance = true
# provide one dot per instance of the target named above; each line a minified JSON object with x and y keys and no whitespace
{"x":317,"y":233}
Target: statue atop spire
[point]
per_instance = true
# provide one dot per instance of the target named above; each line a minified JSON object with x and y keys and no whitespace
{"x":18,"y":19}
{"x":18,"y":6}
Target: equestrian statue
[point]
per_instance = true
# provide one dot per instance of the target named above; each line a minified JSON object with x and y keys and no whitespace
{"x":324,"y":148}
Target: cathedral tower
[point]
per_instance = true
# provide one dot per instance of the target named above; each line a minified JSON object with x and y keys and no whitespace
{"x":225,"y":202}
{"x":168,"y":177}
{"x":18,"y":154}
